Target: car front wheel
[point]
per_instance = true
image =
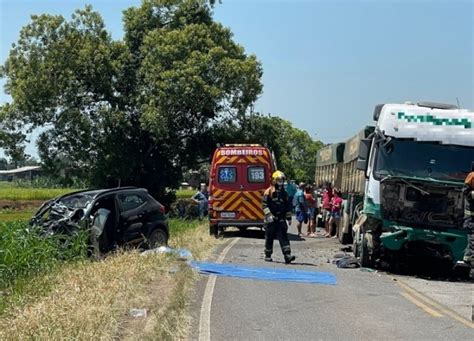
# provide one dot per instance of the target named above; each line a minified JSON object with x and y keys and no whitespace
{"x":157,"y":238}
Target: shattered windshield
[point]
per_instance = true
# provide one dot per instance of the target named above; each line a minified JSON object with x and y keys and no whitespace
{"x":424,"y":160}
{"x":80,"y":200}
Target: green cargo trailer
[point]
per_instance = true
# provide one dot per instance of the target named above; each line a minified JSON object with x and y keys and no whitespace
{"x":329,"y":162}
{"x":352,"y":184}
{"x":353,"y":180}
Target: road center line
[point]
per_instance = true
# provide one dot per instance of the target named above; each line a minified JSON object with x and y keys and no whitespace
{"x":420,"y":305}
{"x":434,"y":304}
{"x":205,"y":317}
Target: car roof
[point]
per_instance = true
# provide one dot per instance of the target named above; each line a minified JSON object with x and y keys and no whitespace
{"x":99,"y":192}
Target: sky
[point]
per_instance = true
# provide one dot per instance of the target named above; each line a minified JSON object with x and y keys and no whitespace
{"x":326,"y":63}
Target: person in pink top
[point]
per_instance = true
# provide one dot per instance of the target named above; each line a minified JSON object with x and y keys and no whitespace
{"x":311,"y":201}
{"x":336,"y":211}
{"x":327,"y":205}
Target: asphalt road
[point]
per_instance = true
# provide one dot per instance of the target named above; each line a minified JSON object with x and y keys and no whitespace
{"x":361,"y":306}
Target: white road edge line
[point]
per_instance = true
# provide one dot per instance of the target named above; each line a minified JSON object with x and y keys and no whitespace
{"x":205,"y":317}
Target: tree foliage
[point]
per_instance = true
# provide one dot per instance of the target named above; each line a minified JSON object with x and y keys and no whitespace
{"x":132,"y":110}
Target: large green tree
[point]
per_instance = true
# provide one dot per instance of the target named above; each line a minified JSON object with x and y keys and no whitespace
{"x":132,"y":110}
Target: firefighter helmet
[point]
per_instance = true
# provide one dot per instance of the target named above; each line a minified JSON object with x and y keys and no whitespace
{"x":278,"y":175}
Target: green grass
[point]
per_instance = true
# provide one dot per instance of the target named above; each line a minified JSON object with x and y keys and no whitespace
{"x":13,"y":215}
{"x":20,"y":193}
{"x":6,"y":184}
{"x":185,"y":193}
{"x":24,"y":252}
{"x":82,"y":299}
{"x":9,"y":192}
{"x":182,"y":225}
{"x":26,"y":255}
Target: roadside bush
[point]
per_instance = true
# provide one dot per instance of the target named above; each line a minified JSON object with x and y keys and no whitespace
{"x":51,"y":182}
{"x":184,"y":208}
{"x":24,"y":252}
{"x":185,"y":193}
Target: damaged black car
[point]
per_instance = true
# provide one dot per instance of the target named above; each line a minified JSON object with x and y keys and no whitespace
{"x":118,"y":217}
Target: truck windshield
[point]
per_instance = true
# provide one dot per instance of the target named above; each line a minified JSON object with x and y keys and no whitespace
{"x":424,"y":160}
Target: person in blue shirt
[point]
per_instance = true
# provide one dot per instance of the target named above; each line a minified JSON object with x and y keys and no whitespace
{"x":301,"y":208}
{"x":201,"y":198}
{"x":291,"y":190}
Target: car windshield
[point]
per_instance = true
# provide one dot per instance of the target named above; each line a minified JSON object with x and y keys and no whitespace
{"x":80,"y":200}
{"x":423,"y":159}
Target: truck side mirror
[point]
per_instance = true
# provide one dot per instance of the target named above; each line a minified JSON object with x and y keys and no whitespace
{"x":363,"y":157}
{"x":361,"y":165}
{"x":377,"y":111}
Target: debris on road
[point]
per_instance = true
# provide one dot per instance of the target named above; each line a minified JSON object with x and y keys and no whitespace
{"x":138,"y":313}
{"x":347,"y":262}
{"x":172,"y":271}
{"x":368,"y":270}
{"x":183,"y":254}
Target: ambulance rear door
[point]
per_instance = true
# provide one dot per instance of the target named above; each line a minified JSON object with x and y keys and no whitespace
{"x":256,"y":180}
{"x":227,"y":191}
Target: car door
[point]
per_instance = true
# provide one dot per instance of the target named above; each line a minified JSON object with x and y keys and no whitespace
{"x":132,"y":216}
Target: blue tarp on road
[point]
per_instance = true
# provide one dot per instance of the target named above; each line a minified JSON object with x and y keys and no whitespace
{"x":266,"y":274}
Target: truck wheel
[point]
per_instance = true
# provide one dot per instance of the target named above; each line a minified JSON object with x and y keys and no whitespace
{"x":462,"y":272}
{"x":345,"y":238}
{"x":356,"y":244}
{"x":213,"y":230}
{"x":365,"y":257}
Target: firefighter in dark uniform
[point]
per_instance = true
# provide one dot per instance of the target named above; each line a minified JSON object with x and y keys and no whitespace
{"x":277,"y":210}
{"x":469,"y":217}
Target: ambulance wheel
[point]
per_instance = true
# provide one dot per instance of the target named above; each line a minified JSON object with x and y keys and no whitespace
{"x":213,"y":230}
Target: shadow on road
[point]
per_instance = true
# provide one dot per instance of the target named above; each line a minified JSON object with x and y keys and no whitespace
{"x":255,"y":234}
{"x":432,"y":270}
{"x":295,"y":263}
{"x":249,"y":233}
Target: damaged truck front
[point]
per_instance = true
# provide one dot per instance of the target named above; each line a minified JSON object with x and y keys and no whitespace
{"x":415,"y":165}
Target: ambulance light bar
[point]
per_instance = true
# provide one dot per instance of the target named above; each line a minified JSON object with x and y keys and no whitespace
{"x":242,"y":145}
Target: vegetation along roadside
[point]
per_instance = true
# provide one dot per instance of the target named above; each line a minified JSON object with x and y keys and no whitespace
{"x":82,"y":299}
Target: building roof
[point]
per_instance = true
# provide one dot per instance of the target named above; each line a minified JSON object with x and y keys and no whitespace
{"x":19,"y":170}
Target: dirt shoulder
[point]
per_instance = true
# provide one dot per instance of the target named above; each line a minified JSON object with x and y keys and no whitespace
{"x":20,"y":204}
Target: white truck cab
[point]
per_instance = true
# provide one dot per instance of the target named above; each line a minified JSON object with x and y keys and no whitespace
{"x":415,"y":164}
